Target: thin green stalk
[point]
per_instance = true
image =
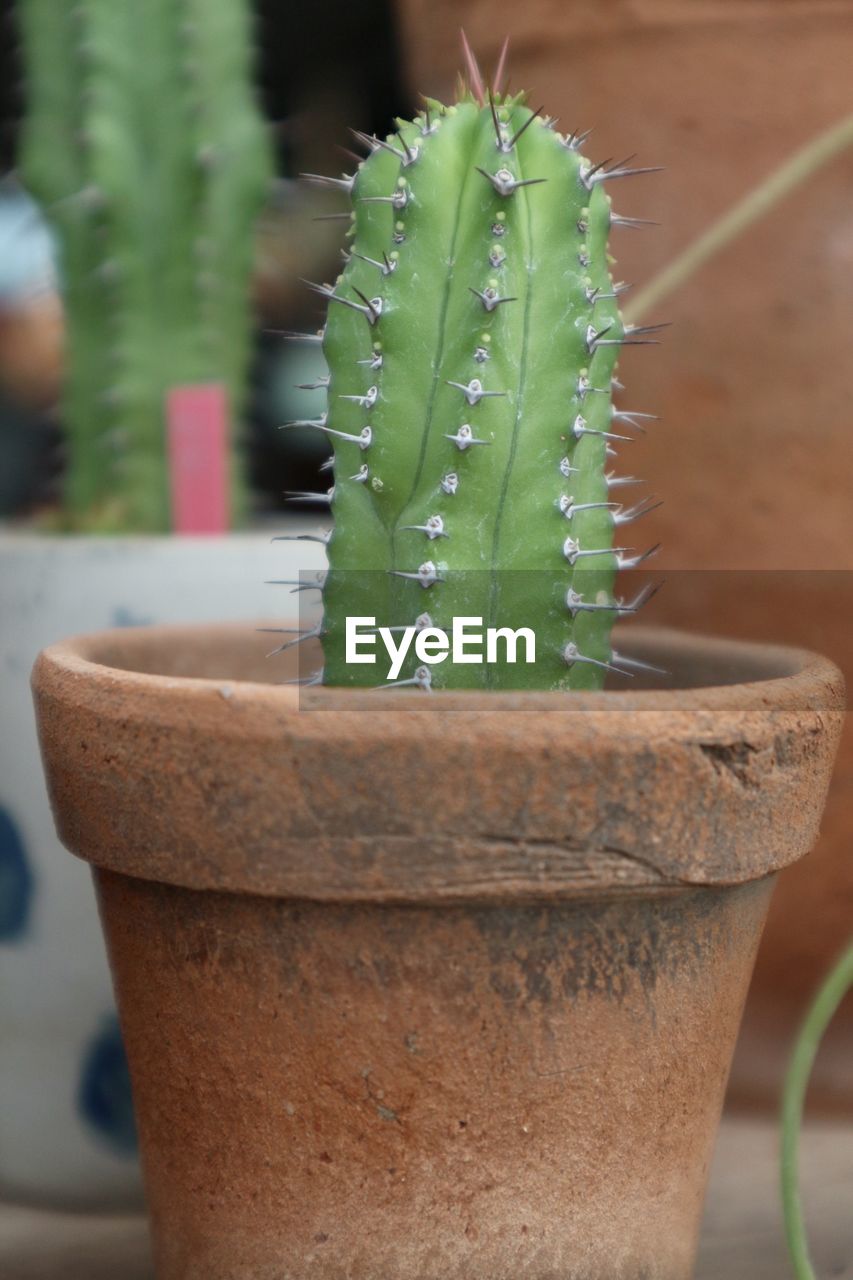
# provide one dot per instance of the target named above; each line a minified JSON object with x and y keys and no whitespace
{"x":821,"y":1013}
{"x":750,"y":209}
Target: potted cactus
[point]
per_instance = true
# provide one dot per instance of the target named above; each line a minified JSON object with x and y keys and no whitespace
{"x":443,"y":980}
{"x":147,"y":154}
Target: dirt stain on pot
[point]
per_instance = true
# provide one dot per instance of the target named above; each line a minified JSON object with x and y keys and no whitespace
{"x":609,"y":948}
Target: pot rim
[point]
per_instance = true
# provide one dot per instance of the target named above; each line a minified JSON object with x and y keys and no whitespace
{"x":243,"y":786}
{"x":783,"y":674}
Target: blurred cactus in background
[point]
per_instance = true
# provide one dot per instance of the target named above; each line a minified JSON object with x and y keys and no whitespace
{"x":143,"y":143}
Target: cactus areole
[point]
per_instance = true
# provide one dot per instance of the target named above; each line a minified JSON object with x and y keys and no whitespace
{"x":471,"y":341}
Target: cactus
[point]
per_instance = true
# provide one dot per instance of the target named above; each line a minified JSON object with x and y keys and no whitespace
{"x":144,"y":146}
{"x":471,"y":341}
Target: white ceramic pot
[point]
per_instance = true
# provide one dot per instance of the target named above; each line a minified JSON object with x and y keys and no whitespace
{"x":66,"y":1128}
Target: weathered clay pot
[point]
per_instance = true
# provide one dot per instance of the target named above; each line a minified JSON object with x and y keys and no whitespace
{"x":429,"y":987}
{"x":810,"y":919}
{"x":754,"y":452}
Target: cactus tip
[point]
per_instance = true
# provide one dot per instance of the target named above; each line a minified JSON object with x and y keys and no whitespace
{"x":475,"y":78}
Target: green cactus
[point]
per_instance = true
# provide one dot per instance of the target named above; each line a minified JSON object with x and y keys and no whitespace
{"x":144,"y":145}
{"x":471,"y":342}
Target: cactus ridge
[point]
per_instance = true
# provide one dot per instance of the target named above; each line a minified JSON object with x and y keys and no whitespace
{"x":144,"y":145}
{"x":471,"y":341}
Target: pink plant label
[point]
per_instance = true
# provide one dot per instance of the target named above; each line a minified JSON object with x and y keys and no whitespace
{"x":197,"y":429}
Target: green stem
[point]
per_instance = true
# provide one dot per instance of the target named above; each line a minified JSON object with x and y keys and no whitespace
{"x":750,"y":209}
{"x":821,"y":1013}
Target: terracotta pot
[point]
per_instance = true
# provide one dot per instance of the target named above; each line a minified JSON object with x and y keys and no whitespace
{"x":754,"y":451}
{"x":429,"y":987}
{"x":810,"y":919}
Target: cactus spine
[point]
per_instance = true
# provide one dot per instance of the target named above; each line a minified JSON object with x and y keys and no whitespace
{"x":471,"y":342}
{"x":144,"y":145}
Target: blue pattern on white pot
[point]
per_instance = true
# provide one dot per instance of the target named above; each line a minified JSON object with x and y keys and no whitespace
{"x":17,"y":882}
{"x":64,"y":1120}
{"x":104,"y":1094}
